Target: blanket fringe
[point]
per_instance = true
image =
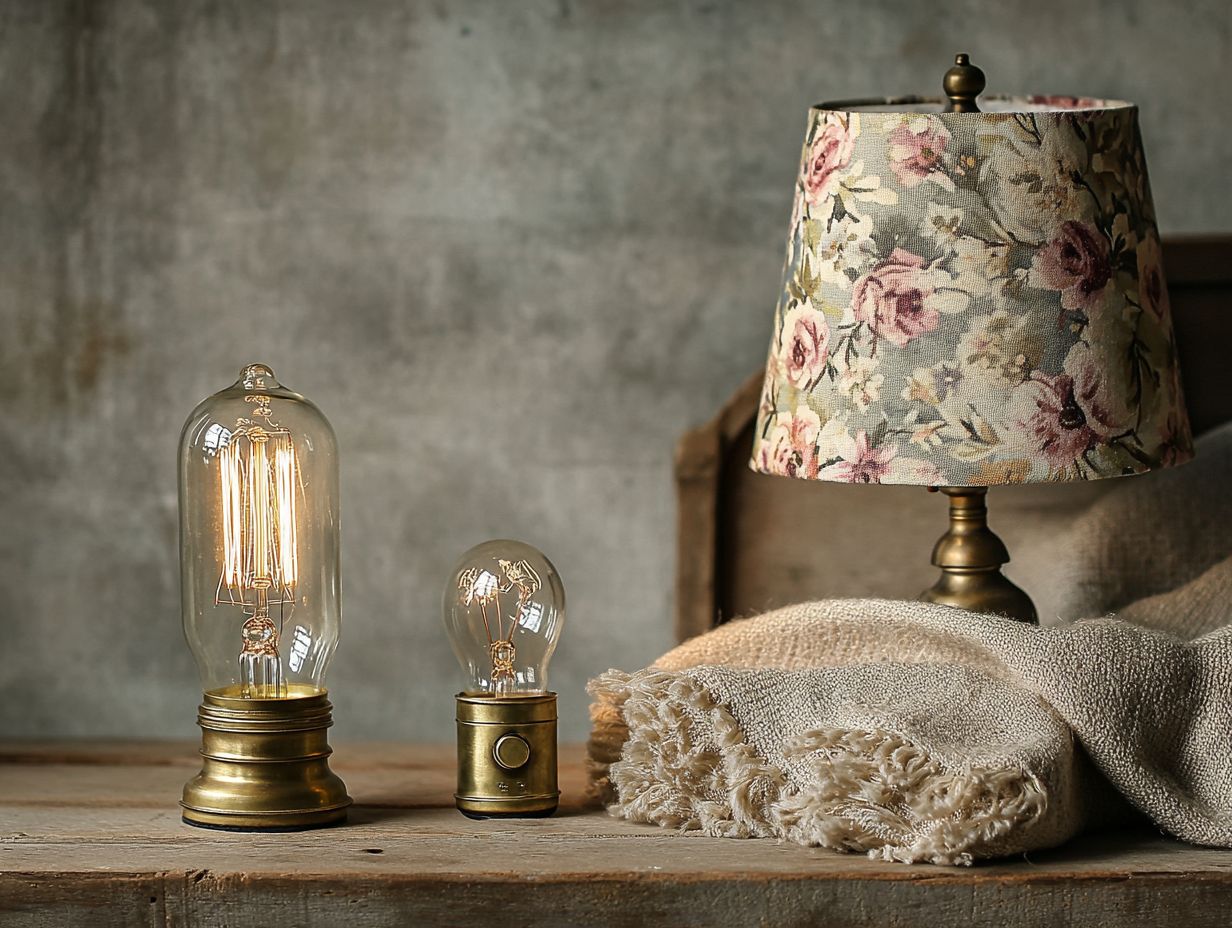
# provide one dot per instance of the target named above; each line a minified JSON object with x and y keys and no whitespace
{"x":865,"y":791}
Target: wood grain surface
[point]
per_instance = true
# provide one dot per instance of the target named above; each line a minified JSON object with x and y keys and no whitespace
{"x":90,"y":834}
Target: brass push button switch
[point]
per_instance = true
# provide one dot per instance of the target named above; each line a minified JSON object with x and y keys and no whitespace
{"x":511,"y":751}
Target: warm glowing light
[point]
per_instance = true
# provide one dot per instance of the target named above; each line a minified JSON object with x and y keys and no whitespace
{"x":285,"y":475}
{"x":258,"y":485}
{"x":259,"y":535}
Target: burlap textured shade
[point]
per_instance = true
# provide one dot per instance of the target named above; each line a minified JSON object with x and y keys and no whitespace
{"x":972,"y":299}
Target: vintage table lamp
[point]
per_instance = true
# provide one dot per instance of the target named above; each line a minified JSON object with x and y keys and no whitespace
{"x":259,"y":578}
{"x":972,"y":298}
{"x":504,"y":606}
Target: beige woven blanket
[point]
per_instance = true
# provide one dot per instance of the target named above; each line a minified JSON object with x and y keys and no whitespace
{"x":923,"y":733}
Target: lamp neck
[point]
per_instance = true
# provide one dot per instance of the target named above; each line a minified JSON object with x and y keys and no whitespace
{"x":970,"y":556}
{"x":969,"y":544}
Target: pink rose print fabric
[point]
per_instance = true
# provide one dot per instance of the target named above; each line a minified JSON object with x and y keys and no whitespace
{"x":1076,"y":264}
{"x":915,"y":152}
{"x":804,"y":346}
{"x":828,"y":154}
{"x":895,"y":300}
{"x":860,"y":462}
{"x":972,"y":298}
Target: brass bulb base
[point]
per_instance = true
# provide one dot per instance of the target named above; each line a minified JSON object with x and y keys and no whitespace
{"x":506,"y":756}
{"x":970,"y":556}
{"x":265,"y":764}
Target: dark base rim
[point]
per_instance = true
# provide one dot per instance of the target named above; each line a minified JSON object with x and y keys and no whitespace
{"x":481,"y":816}
{"x":267,"y":829}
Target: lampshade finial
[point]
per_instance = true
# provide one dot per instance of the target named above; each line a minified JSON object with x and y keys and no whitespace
{"x":963,"y":83}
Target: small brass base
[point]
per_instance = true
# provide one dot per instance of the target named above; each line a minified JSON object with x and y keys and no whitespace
{"x":507,"y":756}
{"x":970,"y":556}
{"x":265,"y":764}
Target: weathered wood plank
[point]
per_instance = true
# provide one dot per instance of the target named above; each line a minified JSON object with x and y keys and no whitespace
{"x":239,"y":901}
{"x":101,"y":844}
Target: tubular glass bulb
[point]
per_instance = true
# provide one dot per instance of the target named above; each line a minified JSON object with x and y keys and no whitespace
{"x":504,"y":606}
{"x":258,"y":471}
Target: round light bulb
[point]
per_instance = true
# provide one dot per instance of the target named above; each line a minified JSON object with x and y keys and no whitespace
{"x":259,"y":540}
{"x":504,"y":606}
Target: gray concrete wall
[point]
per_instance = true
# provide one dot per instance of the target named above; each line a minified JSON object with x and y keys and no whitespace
{"x":511,"y":249}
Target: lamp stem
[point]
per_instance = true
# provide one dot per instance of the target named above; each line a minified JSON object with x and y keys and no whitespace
{"x":970,"y":556}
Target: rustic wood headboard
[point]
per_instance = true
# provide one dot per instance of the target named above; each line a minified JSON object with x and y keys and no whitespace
{"x":733,"y":556}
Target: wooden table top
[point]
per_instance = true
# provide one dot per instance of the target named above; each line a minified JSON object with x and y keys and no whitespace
{"x":90,"y":834}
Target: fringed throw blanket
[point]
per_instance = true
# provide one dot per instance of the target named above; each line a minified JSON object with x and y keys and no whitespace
{"x":919,"y":733}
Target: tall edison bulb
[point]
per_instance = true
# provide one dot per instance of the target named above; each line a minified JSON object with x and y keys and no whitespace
{"x":258,"y":469}
{"x":504,"y":606}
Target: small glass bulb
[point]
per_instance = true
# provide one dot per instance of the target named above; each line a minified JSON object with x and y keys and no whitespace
{"x":504,"y":606}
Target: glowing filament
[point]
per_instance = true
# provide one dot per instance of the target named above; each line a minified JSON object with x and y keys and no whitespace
{"x":481,"y":588}
{"x":232,"y":475}
{"x":260,"y":519}
{"x":286,"y":478}
{"x":258,"y":482}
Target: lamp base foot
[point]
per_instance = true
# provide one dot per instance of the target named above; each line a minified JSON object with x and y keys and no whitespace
{"x":265,"y":764}
{"x":506,"y":756}
{"x":545,"y":812}
{"x":990,"y":592}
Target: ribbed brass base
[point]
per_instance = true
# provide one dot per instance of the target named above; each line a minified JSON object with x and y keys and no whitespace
{"x":265,"y":764}
{"x":970,"y":556}
{"x":507,"y":756}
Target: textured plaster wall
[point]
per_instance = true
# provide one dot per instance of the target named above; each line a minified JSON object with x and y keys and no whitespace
{"x":511,"y":249}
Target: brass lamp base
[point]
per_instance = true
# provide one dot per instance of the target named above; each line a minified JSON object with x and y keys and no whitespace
{"x":266,"y":764}
{"x":970,"y":556}
{"x":507,"y":756}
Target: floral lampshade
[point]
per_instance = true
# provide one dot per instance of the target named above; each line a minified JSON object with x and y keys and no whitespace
{"x":972,"y":299}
